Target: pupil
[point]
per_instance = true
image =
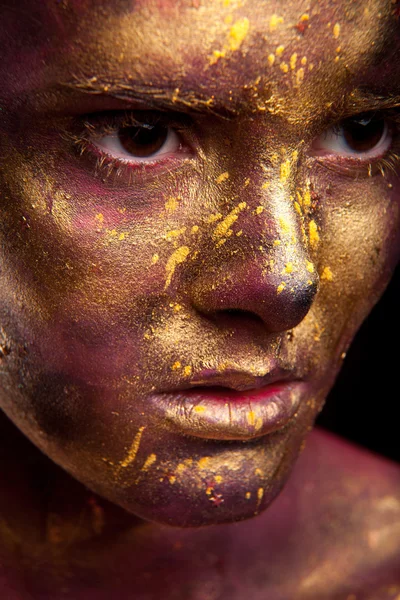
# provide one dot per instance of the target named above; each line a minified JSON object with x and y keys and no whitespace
{"x":363,"y":134}
{"x":143,"y":141}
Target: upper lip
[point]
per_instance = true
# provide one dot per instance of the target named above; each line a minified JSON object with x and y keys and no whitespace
{"x":233,"y":379}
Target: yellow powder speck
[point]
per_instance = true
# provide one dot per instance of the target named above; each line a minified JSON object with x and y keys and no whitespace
{"x":338,"y":49}
{"x":277,"y":242}
{"x":172,"y":479}
{"x":310,"y":67}
{"x":297,"y":207}
{"x":285,"y":171}
{"x":310,"y":266}
{"x":274,"y":22}
{"x":307,"y":198}
{"x":265,"y":185}
{"x":216,"y":55}
{"x":222,"y":228}
{"x":187,"y":371}
{"x":300,"y":76}
{"x":218,"y":479}
{"x":222,"y":177}
{"x":171,"y":204}
{"x":155,"y":258}
{"x":176,"y":258}
{"x":279,"y":50}
{"x":271,"y":59}
{"x":133,"y":450}
{"x":284,"y":225}
{"x":203,"y":462}
{"x":213,"y":218}
{"x":177,"y":307}
{"x":258,"y":424}
{"x":280,"y":287}
{"x":247,"y":495}
{"x":113,"y":232}
{"x":199,"y":409}
{"x":150,"y":460}
{"x":239,"y":233}
{"x":195,"y":229}
{"x":288,"y":268}
{"x":221,"y":242}
{"x":284,"y":67}
{"x":327,"y":274}
{"x":237,"y":33}
{"x":177,"y":365}
{"x":337,"y":58}
{"x":170,"y":235}
{"x":259,"y":210}
{"x":258,"y":472}
{"x":336,"y":30}
{"x":99,"y":218}
{"x":251,"y":417}
{"x":304,"y":60}
{"x":314,"y":235}
{"x":247,"y":181}
{"x":304,"y":17}
{"x":121,"y":236}
{"x":293,"y":61}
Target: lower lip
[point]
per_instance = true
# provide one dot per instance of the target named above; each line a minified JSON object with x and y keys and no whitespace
{"x":215,"y":413}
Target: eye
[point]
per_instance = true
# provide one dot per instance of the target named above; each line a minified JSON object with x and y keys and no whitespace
{"x":366,"y":136}
{"x":140,"y":143}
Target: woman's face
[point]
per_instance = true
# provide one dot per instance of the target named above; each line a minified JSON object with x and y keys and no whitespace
{"x":199,"y":205}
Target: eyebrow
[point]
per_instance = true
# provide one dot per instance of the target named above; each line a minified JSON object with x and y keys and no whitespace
{"x":160,"y":98}
{"x":364,"y":98}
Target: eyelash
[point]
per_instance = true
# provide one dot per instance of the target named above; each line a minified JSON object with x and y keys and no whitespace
{"x":102,"y":124}
{"x":389,"y":163}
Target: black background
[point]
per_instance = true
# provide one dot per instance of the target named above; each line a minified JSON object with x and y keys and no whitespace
{"x":364,"y":405}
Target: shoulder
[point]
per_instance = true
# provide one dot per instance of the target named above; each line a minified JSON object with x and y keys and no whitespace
{"x":343,"y":505}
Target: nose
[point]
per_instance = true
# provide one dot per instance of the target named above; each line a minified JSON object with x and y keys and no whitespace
{"x":266,"y":270}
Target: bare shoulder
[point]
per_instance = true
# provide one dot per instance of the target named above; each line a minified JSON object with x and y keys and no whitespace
{"x":344,"y":527}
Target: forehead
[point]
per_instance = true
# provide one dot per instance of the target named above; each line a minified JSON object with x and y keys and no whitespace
{"x":259,"y":53}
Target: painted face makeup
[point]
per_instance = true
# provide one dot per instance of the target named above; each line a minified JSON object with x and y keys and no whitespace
{"x":199,"y":206}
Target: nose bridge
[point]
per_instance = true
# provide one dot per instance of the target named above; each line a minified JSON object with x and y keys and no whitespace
{"x":258,"y":261}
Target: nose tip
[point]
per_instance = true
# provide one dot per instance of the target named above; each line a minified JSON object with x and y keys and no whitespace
{"x":281,"y":303}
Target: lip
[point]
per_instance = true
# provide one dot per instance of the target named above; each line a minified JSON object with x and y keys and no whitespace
{"x":221,"y":413}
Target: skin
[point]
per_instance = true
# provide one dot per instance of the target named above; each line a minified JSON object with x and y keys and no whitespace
{"x":248,"y":250}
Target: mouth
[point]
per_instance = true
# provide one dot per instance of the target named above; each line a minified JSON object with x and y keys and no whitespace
{"x":217,"y":412}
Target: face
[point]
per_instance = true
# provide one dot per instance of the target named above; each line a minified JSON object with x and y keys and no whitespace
{"x":199,"y":206}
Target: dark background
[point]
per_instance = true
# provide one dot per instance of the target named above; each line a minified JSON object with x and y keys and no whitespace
{"x":364,"y":405}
